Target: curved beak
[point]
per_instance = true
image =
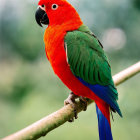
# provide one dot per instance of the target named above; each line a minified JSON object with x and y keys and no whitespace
{"x":41,"y":17}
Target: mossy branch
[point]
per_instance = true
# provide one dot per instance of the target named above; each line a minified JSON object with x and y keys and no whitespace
{"x":54,"y":120}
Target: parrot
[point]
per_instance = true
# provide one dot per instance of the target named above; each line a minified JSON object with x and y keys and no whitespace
{"x":77,"y":57}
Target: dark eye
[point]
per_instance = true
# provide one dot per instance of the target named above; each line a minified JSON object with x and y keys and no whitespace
{"x":54,"y":6}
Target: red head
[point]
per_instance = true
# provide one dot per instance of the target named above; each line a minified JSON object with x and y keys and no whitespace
{"x":56,"y":12}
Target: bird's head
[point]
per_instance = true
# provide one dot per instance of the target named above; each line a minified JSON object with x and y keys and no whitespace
{"x":55,"y":12}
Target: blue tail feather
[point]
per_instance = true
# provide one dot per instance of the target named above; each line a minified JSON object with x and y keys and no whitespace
{"x":103,"y":126}
{"x":106,"y":93}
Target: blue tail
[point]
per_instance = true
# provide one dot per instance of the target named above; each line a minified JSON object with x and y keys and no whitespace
{"x":103,"y":126}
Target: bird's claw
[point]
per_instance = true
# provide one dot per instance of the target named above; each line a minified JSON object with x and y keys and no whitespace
{"x":71,"y":100}
{"x":83,"y":101}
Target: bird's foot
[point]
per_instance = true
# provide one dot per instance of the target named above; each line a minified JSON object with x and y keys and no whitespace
{"x":83,"y":101}
{"x":71,"y":100}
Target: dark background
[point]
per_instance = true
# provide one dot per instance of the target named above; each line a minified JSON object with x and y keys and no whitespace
{"x":29,"y":90}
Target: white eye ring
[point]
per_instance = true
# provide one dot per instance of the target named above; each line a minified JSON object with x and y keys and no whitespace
{"x":54,"y":6}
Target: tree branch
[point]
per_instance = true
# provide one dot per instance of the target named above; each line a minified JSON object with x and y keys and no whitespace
{"x":126,"y":74}
{"x":54,"y":120}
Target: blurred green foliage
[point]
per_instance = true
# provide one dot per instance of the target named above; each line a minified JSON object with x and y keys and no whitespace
{"x":29,"y":90}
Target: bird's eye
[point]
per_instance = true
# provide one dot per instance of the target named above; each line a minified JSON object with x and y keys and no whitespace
{"x":54,"y":6}
{"x":43,"y":6}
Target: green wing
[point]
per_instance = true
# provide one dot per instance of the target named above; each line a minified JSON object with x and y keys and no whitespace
{"x":86,"y":57}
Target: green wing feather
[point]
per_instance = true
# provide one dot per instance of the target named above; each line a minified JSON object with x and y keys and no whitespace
{"x":86,"y":57}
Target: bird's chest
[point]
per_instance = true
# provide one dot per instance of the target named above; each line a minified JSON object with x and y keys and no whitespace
{"x":54,"y":47}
